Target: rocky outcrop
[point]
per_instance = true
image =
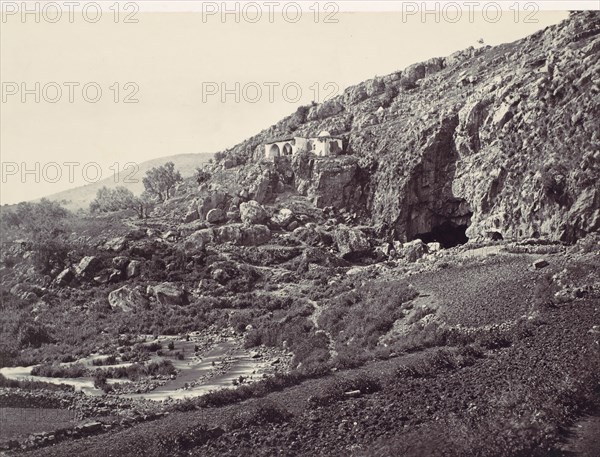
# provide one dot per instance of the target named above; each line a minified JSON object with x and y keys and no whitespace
{"x":490,"y":142}
{"x":127,"y":298}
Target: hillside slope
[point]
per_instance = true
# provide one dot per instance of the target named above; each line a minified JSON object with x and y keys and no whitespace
{"x":80,"y":197}
{"x":500,"y":142}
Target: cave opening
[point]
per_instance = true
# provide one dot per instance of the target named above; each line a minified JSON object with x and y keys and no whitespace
{"x":448,"y":234}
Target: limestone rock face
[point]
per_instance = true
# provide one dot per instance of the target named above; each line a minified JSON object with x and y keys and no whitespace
{"x":252,"y":212}
{"x":498,"y":142}
{"x":127,"y":298}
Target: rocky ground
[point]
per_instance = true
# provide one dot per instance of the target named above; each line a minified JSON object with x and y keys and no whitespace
{"x":517,"y":396}
{"x":431,"y":291}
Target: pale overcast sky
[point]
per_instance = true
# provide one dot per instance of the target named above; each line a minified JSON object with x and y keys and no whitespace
{"x":169,"y":56}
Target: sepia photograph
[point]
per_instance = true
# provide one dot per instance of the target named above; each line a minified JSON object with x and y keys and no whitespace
{"x":300,"y":228}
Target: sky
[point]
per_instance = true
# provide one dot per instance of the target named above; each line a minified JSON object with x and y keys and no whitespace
{"x":178,"y":72}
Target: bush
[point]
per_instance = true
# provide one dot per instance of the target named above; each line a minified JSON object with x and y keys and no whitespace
{"x":33,"y":385}
{"x":51,"y":370}
{"x":110,"y":360}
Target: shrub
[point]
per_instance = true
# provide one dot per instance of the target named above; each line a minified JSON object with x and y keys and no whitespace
{"x":33,"y":385}
{"x":51,"y":370}
{"x":110,"y":360}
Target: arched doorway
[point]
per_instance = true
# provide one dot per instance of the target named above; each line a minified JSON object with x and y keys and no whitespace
{"x":274,"y":151}
{"x":287,"y":149}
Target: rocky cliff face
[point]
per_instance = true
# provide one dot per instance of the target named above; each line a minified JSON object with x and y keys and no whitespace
{"x":494,"y":142}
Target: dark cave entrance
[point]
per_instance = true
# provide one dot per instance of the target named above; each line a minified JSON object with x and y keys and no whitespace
{"x":448,"y":234}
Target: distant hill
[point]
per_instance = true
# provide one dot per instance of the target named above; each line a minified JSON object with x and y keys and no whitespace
{"x":80,"y":197}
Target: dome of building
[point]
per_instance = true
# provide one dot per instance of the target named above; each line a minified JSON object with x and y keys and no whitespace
{"x":324,"y":133}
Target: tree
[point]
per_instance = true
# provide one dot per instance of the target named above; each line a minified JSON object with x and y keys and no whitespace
{"x":44,"y":224}
{"x":121,"y":198}
{"x":159,"y":181}
{"x":117,"y":199}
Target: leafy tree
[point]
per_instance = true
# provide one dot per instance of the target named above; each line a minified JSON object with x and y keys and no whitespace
{"x":159,"y":181}
{"x":121,"y":198}
{"x":44,"y":224}
{"x":116,"y":199}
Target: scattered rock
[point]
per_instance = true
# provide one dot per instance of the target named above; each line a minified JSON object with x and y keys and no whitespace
{"x":120,"y":262}
{"x":282,"y":218}
{"x":540,"y":263}
{"x":413,"y":250}
{"x":127,"y":298}
{"x":168,"y":293}
{"x":352,"y":393}
{"x":88,"y":266}
{"x":433,"y":247}
{"x":214,"y":200}
{"x":64,"y":277}
{"x":133,"y":269}
{"x":115,"y":244}
{"x":351,"y":241}
{"x":115,"y":276}
{"x":252,"y":212}
{"x":216,"y":216}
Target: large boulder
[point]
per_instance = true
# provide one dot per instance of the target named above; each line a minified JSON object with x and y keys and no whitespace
{"x":282,"y":218}
{"x":168,"y":293}
{"x":351,"y":241}
{"x":213,"y":201}
{"x":413,"y":250}
{"x":252,"y":212}
{"x":87,"y":266}
{"x":115,"y":244}
{"x":215,"y":216}
{"x":127,"y":298}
